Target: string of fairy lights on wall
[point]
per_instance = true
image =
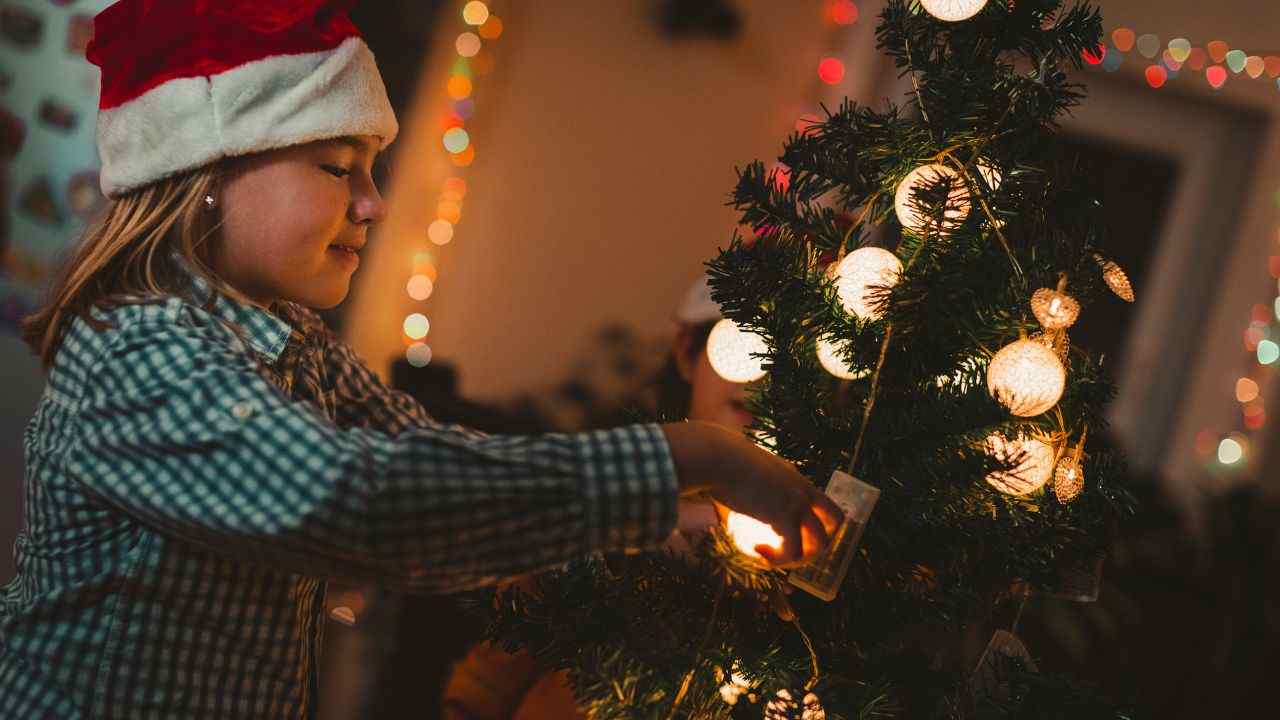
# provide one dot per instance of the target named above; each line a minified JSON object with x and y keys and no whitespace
{"x":1232,"y":450}
{"x":1167,"y":60}
{"x":472,"y":60}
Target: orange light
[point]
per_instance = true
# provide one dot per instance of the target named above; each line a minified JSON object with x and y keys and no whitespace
{"x":427,"y":269}
{"x":456,"y":186}
{"x":1124,"y":39}
{"x":748,"y":532}
{"x":1246,"y":390}
{"x":1218,"y":50}
{"x":449,"y":211}
{"x":464,"y":158}
{"x":491,"y":28}
{"x":459,"y":87}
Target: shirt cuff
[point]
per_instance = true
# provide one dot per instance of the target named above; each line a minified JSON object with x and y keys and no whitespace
{"x":630,"y":488}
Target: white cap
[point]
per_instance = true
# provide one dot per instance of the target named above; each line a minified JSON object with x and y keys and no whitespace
{"x":698,"y":307}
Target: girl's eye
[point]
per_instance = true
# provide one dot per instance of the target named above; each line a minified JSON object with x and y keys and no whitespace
{"x":334,"y":170}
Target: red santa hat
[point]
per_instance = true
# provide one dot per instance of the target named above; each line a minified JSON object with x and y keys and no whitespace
{"x":188,"y":82}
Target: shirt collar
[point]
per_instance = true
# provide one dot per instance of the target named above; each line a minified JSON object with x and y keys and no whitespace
{"x":266,"y":333}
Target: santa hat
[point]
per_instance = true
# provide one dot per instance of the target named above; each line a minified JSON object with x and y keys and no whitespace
{"x":188,"y":82}
{"x":698,"y":307}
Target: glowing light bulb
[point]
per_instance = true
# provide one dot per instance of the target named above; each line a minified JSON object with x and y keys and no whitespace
{"x":1032,"y":464}
{"x":440,"y":232}
{"x":475,"y":13}
{"x":1230,"y":451}
{"x":467,"y":44}
{"x":748,"y":532}
{"x":953,"y":10}
{"x":732,"y":352}
{"x":417,"y":326}
{"x":1026,"y":377}
{"x":418,"y":354}
{"x":420,"y":287}
{"x":862,"y":278}
{"x":831,"y":356}
{"x":955,"y":209}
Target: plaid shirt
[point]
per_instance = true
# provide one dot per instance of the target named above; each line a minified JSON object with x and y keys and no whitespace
{"x":191,"y":488}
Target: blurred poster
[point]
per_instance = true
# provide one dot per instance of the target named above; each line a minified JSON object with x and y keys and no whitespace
{"x":48,"y":157}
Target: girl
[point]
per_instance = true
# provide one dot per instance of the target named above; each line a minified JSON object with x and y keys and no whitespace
{"x":490,"y":683}
{"x":207,"y":455}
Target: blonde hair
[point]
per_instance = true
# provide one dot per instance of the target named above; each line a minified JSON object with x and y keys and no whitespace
{"x":124,"y":257}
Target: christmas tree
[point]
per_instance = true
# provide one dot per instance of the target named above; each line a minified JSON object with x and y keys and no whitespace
{"x":909,"y":284}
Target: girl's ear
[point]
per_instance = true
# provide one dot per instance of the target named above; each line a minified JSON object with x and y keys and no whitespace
{"x":686,"y":358}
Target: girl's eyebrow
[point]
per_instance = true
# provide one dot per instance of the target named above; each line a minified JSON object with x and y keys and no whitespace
{"x":354,"y":143}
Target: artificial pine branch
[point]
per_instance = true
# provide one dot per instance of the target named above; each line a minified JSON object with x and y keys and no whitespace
{"x":944,"y":551}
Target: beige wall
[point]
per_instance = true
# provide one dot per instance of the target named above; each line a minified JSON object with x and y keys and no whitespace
{"x":605,"y":155}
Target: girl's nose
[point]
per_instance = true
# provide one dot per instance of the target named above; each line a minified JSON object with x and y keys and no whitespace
{"x":367,"y":207}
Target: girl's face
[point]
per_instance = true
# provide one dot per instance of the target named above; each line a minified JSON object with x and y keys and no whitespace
{"x":711,"y":398}
{"x":294,"y":221}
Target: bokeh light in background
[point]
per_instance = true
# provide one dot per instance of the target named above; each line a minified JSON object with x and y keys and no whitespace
{"x":440,"y":232}
{"x":1230,"y":451}
{"x":475,"y":13}
{"x":416,"y":326}
{"x":842,"y":12}
{"x":418,"y":354}
{"x":1217,"y":60}
{"x":458,"y":87}
{"x":831,"y":70}
{"x":420,"y":287}
{"x":456,"y":140}
{"x":467,"y":44}
{"x":473,"y":60}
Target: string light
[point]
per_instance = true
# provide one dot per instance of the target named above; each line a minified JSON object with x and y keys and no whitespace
{"x":458,"y":143}
{"x":1217,"y":60}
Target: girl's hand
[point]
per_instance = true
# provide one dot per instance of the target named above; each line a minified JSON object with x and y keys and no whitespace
{"x":743,"y":477}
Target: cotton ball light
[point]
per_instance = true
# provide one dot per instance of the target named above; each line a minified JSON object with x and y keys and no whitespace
{"x":953,"y":10}
{"x":990,"y":174}
{"x":784,"y":706}
{"x":1032,"y":462}
{"x":862,"y":278}
{"x":957,"y":203}
{"x":732,"y":352}
{"x":1055,"y":310}
{"x":748,"y":532}
{"x":831,"y":355}
{"x":1026,"y":377}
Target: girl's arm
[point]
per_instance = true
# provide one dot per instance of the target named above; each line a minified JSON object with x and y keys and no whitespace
{"x":180,"y":432}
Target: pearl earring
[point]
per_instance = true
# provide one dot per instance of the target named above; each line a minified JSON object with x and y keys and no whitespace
{"x":209,"y":201}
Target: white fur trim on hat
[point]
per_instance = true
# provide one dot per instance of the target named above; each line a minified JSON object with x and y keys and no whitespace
{"x":698,"y":307}
{"x":271,"y":103}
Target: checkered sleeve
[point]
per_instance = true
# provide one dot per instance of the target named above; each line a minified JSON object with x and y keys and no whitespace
{"x":183,"y":434}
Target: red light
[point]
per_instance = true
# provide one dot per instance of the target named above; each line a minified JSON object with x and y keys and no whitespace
{"x":1216,"y":75}
{"x":1260,"y":314}
{"x":1273,"y":266}
{"x":1156,"y":76}
{"x":843,"y":12}
{"x":831,"y":70}
{"x":1095,"y":56}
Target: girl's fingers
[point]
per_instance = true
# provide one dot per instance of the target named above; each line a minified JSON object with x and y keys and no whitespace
{"x":828,"y":512}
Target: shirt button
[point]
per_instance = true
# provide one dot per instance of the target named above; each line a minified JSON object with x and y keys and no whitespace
{"x":242,"y":410}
